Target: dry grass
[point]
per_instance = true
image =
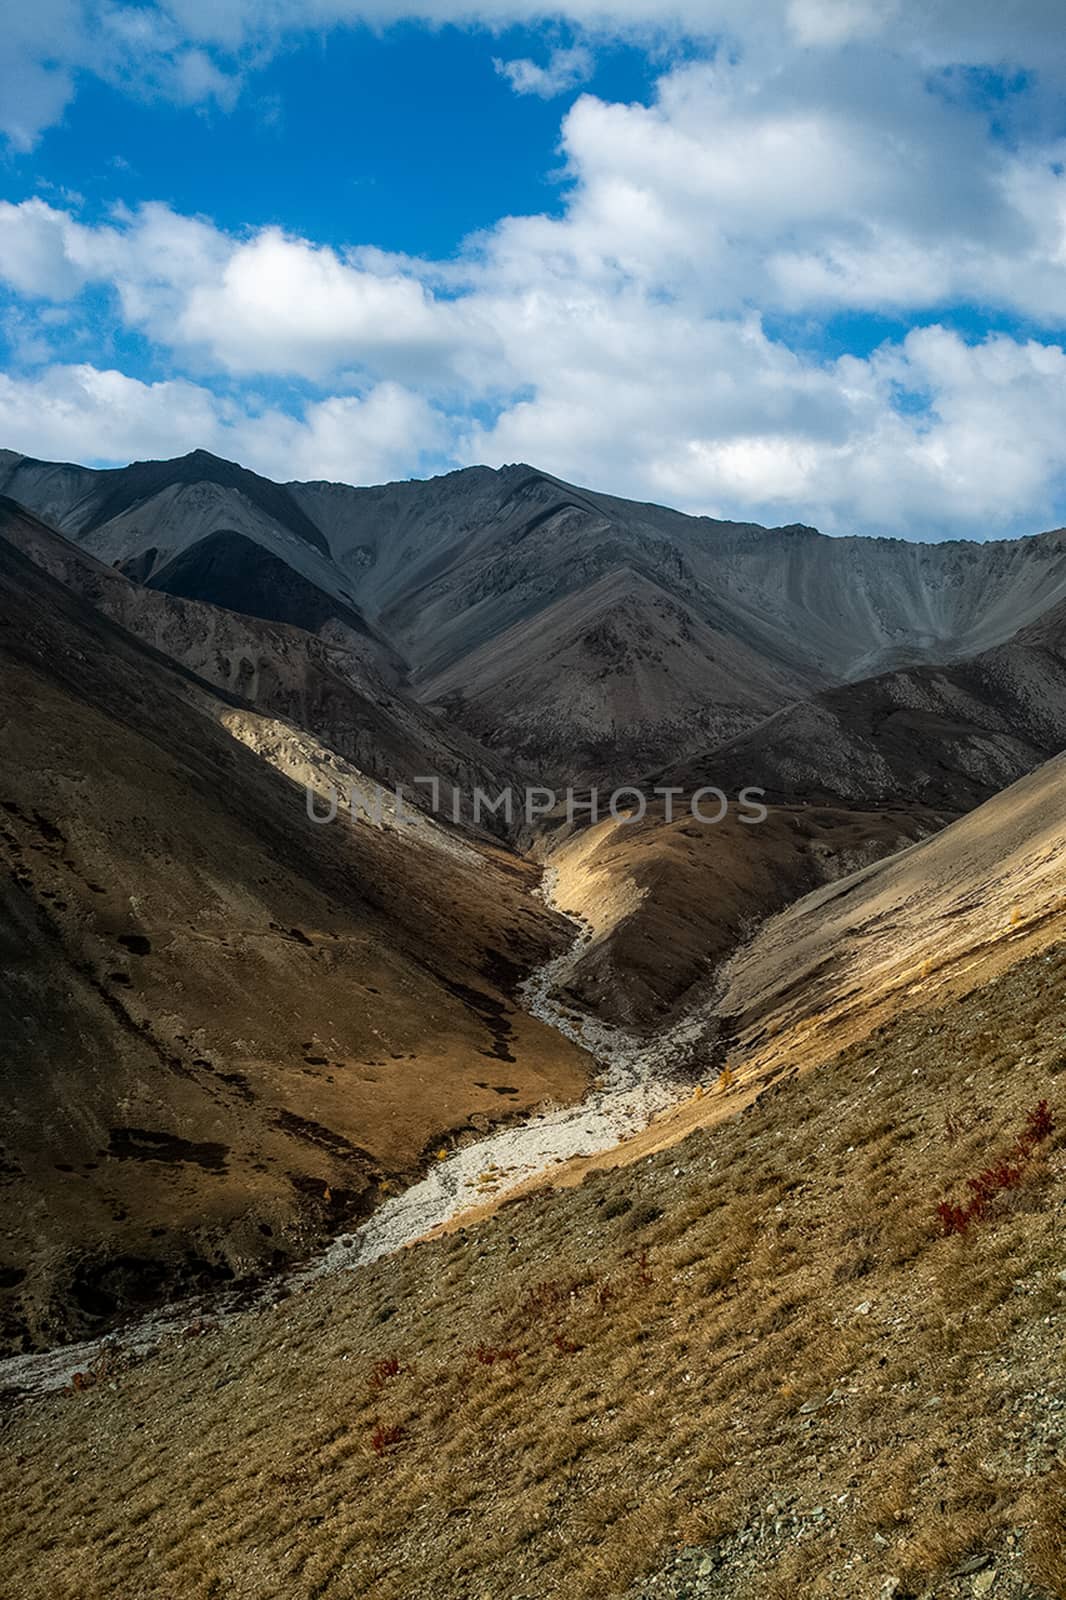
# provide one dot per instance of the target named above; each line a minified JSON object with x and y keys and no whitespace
{"x":1047,"y":1550}
{"x":543,"y":1405}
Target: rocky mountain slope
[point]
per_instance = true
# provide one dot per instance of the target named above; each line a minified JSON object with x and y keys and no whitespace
{"x":583,"y":631}
{"x":626,"y":668}
{"x":946,"y":736}
{"x":329,"y":685}
{"x":226,"y":1030}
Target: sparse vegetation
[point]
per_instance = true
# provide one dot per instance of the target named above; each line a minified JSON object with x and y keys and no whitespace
{"x":382,"y":1371}
{"x":1005,"y":1172}
{"x":489,"y":1354}
{"x":562,"y":1404}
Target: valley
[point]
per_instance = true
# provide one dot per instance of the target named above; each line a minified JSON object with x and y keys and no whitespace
{"x":437,"y":1192}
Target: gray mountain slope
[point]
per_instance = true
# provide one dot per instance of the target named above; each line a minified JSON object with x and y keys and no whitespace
{"x":940,"y":736}
{"x":606,"y":679}
{"x":330,"y":687}
{"x":463,"y":573}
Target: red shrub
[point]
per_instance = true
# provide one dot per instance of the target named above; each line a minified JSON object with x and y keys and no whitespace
{"x":1039,"y":1124}
{"x":489,"y":1354}
{"x":383,"y":1370}
{"x":1004,"y":1173}
{"x":956,"y":1219}
{"x":385,"y":1436}
{"x":987,"y":1184}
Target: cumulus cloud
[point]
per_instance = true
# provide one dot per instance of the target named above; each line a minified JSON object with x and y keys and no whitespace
{"x":982,"y":455}
{"x":825,"y":165}
{"x":80,"y":412}
{"x":282,"y":304}
{"x":384,"y":435}
{"x":566,"y":70}
{"x":42,"y":250}
{"x":199,"y":50}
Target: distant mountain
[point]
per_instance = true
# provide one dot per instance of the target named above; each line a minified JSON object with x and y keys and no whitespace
{"x":947,"y":737}
{"x":580,"y":632}
{"x":621,"y":669}
{"x":84,"y":501}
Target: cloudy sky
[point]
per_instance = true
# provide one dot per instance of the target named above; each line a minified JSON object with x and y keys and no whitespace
{"x":797,"y":261}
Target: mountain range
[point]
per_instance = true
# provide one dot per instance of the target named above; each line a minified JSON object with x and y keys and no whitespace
{"x":585,"y":638}
{"x":698,"y":1180}
{"x":246,"y":1014}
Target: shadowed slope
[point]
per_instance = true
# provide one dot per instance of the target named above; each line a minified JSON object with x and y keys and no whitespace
{"x":224,"y":1028}
{"x":332,"y":688}
{"x":229,"y":569}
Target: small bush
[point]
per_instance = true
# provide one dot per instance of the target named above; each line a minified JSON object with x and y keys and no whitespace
{"x":1007,"y":1172}
{"x":386,"y":1437}
{"x":384,"y":1370}
{"x":489,"y":1354}
{"x":1039,"y":1124}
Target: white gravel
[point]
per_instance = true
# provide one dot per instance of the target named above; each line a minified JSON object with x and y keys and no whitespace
{"x":637,"y":1078}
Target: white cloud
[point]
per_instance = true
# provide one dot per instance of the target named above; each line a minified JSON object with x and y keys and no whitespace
{"x":566,"y":70}
{"x":624,"y":341}
{"x":194,"y":51}
{"x":65,"y":410}
{"x":78,"y":412}
{"x":985,"y":454}
{"x":42,"y":250}
{"x":281,"y":304}
{"x":346,"y":438}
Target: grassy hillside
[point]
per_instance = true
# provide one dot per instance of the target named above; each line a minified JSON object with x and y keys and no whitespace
{"x":758,"y":1364}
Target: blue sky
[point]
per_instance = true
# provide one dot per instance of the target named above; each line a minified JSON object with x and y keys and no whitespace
{"x":408,"y":139}
{"x":807,"y":264}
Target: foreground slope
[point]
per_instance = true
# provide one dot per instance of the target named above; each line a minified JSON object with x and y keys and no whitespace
{"x":751,"y":1366}
{"x":225,"y":1029}
{"x":951,"y":911}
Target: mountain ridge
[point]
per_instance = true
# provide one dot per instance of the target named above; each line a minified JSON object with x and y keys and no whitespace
{"x":461,"y":573}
